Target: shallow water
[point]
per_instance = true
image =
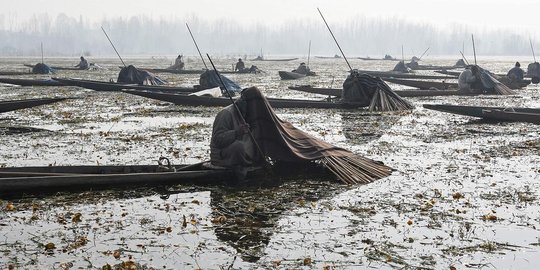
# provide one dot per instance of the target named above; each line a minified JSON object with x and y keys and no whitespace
{"x":465,"y":193}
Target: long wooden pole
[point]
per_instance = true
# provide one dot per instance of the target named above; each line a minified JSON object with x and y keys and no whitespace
{"x":402,"y":54}
{"x":113,"y":46}
{"x":309,"y":53}
{"x":464,"y":57}
{"x":196,"y":46}
{"x":42,"y":52}
{"x":532,"y":49}
{"x":474,"y":49}
{"x":259,"y":150}
{"x":423,"y":53}
{"x":339,"y":47}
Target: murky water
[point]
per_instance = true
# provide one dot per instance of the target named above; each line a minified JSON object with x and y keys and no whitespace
{"x":465,"y":193}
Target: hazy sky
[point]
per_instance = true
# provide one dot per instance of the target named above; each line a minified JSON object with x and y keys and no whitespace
{"x":521,"y":15}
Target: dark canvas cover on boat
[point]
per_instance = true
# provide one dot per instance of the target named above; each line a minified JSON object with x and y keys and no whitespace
{"x":209,"y":79}
{"x":279,"y":139}
{"x":533,"y":71}
{"x":41,"y":68}
{"x":132,"y":75}
{"x":401,"y":67}
{"x":360,"y":88}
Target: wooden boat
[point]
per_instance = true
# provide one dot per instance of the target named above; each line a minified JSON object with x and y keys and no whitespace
{"x":475,"y":111}
{"x":430,"y":67}
{"x":14,"y":73}
{"x":186,"y":71}
{"x":328,"y":57}
{"x":290,"y":75}
{"x":57,"y":67}
{"x":509,"y":115}
{"x":187,"y":100}
{"x":17,"y":180}
{"x":423,"y":84}
{"x":12,"y":105}
{"x":336,"y":92}
{"x":377,"y":59}
{"x":112,"y":86}
{"x":394,"y":74}
{"x":31,"y":82}
{"x":274,"y":60}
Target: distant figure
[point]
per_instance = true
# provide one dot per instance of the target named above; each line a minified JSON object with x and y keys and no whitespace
{"x":178,"y":63}
{"x":302,"y":69}
{"x":413,"y":64}
{"x":83,"y":64}
{"x":388,"y":57}
{"x":401,"y":67}
{"x":460,"y":63}
{"x":240,"y":66}
{"x":533,"y":71}
{"x":468,"y":80}
{"x":516,"y":73}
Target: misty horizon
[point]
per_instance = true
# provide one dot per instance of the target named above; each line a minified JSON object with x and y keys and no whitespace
{"x":64,"y":35}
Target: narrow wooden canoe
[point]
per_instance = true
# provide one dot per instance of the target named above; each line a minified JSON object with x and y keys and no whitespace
{"x":17,"y":180}
{"x":66,"y":177}
{"x":112,"y":86}
{"x":31,"y":82}
{"x":449,"y":72}
{"x":336,"y":92}
{"x":57,"y":67}
{"x":423,"y":84}
{"x":475,"y":111}
{"x":498,"y":115}
{"x":430,"y":67}
{"x":14,"y":73}
{"x":275,"y":60}
{"x":12,"y":105}
{"x":187,"y":100}
{"x":186,"y":71}
{"x":289,"y":75}
{"x":393,"y":74}
{"x":377,"y":59}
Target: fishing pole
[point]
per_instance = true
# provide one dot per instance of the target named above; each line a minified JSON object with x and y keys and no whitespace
{"x":309,"y":53}
{"x":474,"y":49}
{"x":339,"y":47}
{"x":464,"y":58}
{"x":267,"y":163}
{"x":532,"y":49}
{"x":423,"y":54}
{"x":42,"y":52}
{"x":197,"y":46}
{"x":113,"y":46}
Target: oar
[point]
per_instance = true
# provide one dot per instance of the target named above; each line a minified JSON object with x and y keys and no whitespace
{"x":532,"y":49}
{"x":309,"y":53}
{"x":339,"y":47}
{"x":197,"y":46}
{"x":113,"y":47}
{"x":259,"y":150}
{"x":474,"y":49}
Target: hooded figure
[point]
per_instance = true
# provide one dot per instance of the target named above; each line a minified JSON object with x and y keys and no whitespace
{"x":83,"y":64}
{"x":240,"y":66}
{"x":516,"y":73}
{"x":401,"y":67}
{"x":302,"y":69}
{"x":468,"y":81}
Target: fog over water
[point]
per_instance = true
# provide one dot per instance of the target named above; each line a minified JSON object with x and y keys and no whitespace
{"x":240,"y":27}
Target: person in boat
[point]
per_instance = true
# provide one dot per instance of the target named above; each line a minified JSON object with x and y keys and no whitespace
{"x":460,"y":63}
{"x":533,"y":71}
{"x":302,"y":69}
{"x":231,"y":145}
{"x":240,"y":66}
{"x":401,"y":67}
{"x":468,"y":81}
{"x":413,"y":64}
{"x":178,"y":63}
{"x":516,"y":73}
{"x":83,"y":64}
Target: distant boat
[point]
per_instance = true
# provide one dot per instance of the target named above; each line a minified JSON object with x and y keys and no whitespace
{"x":328,"y":57}
{"x":260,"y":58}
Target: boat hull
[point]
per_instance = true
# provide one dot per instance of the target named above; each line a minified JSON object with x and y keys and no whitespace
{"x":474,"y":111}
{"x":12,"y":105}
{"x":31,"y":82}
{"x":423,"y":84}
{"x":112,"y":86}
{"x":335,"y":92}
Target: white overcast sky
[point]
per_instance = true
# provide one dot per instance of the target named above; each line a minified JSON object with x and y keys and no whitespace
{"x":521,"y":15}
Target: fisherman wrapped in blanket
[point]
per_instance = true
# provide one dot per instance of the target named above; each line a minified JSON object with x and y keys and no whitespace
{"x":401,"y":67}
{"x":516,"y":73}
{"x":178,"y":63}
{"x":533,"y":71}
{"x":359,"y":88}
{"x":302,"y":69}
{"x":468,"y":81}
